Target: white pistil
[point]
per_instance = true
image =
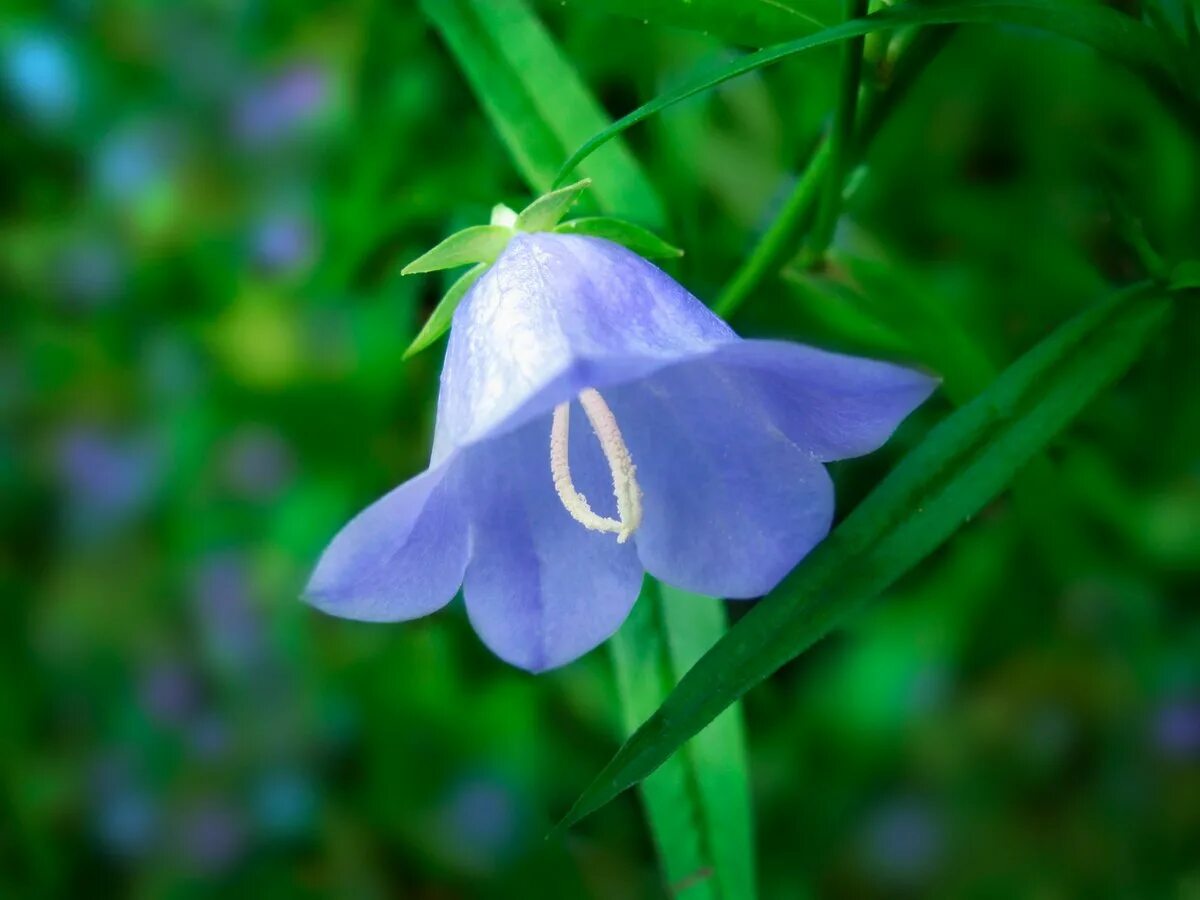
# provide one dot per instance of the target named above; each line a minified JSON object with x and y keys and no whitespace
{"x":620,"y":465}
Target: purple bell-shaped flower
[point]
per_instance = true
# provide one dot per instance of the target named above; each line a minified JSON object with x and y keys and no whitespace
{"x":596,"y":421}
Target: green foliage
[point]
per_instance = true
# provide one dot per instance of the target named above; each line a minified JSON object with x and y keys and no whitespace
{"x":1106,"y":30}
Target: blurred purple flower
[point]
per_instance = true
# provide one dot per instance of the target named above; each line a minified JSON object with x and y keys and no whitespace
{"x":479,"y":823}
{"x":88,"y":272}
{"x":169,"y":692}
{"x":285,"y":803}
{"x":273,"y":109}
{"x":283,"y":242}
{"x":257,"y":462}
{"x":41,"y":76}
{"x":902,"y":842}
{"x":136,"y":160}
{"x":1177,"y":729}
{"x":126,"y":817}
{"x":107,"y":480}
{"x":712,"y":445}
{"x":225,"y":607}
{"x":212,"y":835}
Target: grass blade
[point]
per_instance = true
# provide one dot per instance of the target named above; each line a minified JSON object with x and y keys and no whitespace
{"x":1107,"y":30}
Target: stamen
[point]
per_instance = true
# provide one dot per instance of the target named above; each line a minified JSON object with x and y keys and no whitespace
{"x":620,"y":464}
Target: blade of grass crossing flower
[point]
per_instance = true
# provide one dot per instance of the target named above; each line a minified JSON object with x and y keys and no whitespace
{"x":698,"y":803}
{"x":1104,"y":29}
{"x":960,"y":467}
{"x":698,"y":806}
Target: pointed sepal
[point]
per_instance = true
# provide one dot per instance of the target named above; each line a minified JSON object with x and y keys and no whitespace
{"x":547,"y":210}
{"x":477,"y":244}
{"x":639,"y":240}
{"x":438,"y":322}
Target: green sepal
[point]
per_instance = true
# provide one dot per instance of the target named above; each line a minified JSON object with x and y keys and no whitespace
{"x":635,"y":237}
{"x":438,"y":322}
{"x":547,"y":210}
{"x":477,"y":244}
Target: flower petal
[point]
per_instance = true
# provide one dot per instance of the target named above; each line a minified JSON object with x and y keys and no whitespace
{"x":552,"y":303}
{"x":834,"y":406}
{"x":541,"y":590}
{"x":400,"y":558}
{"x":730,"y":503}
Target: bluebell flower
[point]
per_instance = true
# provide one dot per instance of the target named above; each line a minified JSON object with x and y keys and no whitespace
{"x":703,"y":465}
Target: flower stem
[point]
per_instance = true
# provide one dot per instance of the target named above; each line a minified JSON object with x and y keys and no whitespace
{"x":841,"y":138}
{"x":778,"y":242}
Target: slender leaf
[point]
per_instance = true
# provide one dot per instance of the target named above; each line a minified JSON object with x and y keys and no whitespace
{"x":639,"y":240}
{"x":476,"y":244}
{"x":1120,"y":36}
{"x":700,"y":807}
{"x":754,"y":23}
{"x":547,"y":210}
{"x":963,"y":463}
{"x":439,"y":320}
{"x":698,"y":803}
{"x":536,"y":101}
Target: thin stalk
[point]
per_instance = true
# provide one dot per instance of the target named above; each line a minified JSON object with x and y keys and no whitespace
{"x":779,"y":241}
{"x":841,"y":138}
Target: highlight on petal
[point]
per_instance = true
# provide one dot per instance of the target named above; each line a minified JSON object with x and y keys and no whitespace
{"x":832,"y":405}
{"x":401,"y":558}
{"x":730,"y":503}
{"x":541,"y":590}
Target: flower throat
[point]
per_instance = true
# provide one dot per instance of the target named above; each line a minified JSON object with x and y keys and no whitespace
{"x":620,"y":465}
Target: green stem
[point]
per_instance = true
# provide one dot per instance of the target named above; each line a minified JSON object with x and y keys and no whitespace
{"x":778,"y":242}
{"x":841,"y":138}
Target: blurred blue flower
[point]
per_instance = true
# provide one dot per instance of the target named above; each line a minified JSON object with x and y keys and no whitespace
{"x":231,"y":627}
{"x":41,"y":75}
{"x":89,"y":272}
{"x":903,"y":842}
{"x":257,"y":462}
{"x":212,"y":835}
{"x":285,"y":803}
{"x":711,"y":445}
{"x":1177,"y":729}
{"x":136,"y":160}
{"x":107,"y":479}
{"x":169,"y":692}
{"x":479,"y":823}
{"x":274,"y":109}
{"x":127,"y":823}
{"x":283,"y":242}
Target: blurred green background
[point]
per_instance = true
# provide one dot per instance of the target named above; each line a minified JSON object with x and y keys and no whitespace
{"x":205,"y":207}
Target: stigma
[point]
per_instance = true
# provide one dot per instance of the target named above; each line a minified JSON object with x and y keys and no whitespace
{"x":620,"y":465}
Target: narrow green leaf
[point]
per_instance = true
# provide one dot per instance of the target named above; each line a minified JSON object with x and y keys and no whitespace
{"x":477,"y":244}
{"x":536,"y":101}
{"x":639,"y":240}
{"x":753,"y":24}
{"x":1113,"y":33}
{"x":438,"y":322}
{"x":962,"y":464}
{"x":547,"y":210}
{"x":698,"y":803}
